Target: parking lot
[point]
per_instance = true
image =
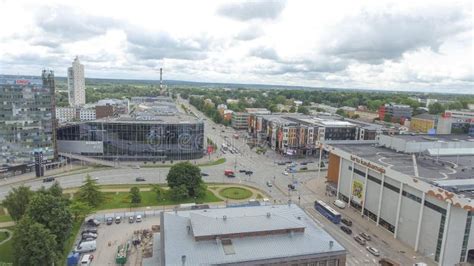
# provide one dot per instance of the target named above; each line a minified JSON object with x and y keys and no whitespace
{"x":111,"y":236}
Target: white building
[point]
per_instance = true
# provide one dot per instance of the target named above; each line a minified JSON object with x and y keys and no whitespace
{"x":65,"y":114}
{"x":395,"y":185}
{"x":87,"y":114}
{"x":76,"y":84}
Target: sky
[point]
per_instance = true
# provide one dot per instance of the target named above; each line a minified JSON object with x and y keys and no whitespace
{"x":391,"y":45}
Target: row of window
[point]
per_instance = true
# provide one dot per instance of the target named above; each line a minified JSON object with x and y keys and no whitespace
{"x":467,"y":231}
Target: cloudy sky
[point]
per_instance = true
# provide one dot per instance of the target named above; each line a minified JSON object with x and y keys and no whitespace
{"x":426,"y":45}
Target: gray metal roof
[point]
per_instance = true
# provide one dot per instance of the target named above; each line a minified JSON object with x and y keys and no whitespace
{"x":203,"y":225}
{"x":178,"y":242}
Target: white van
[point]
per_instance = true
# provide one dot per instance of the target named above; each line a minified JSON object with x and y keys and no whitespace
{"x":86,"y":260}
{"x":86,"y":246}
{"x":339,"y":203}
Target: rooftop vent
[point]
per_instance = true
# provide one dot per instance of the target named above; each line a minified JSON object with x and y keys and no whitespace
{"x":268,"y":215}
{"x":224,"y":217}
{"x":331,"y":244}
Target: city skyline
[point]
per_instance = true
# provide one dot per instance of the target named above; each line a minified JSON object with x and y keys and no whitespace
{"x":388,"y":46}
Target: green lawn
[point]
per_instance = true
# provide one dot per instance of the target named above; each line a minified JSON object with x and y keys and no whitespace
{"x":236,"y":193}
{"x":159,"y":165}
{"x":70,"y":241}
{"x":6,"y":251}
{"x":4,"y":235}
{"x":5,"y":218}
{"x":114,"y":200}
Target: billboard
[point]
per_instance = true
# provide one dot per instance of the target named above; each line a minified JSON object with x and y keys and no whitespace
{"x":357,"y":191}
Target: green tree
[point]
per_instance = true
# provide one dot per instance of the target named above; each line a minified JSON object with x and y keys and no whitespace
{"x":341,"y":112}
{"x":304,"y":110}
{"x":56,"y":190}
{"x":54,"y":214}
{"x":135,"y":196}
{"x":436,"y":108}
{"x":188,"y":175}
{"x":90,"y":193}
{"x":292,"y":109}
{"x":34,"y":244}
{"x":79,"y":209}
{"x":17,"y":201}
{"x":179,"y":193}
{"x":159,"y":192}
{"x":387,"y":118}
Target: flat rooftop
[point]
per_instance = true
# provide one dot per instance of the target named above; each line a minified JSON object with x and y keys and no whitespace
{"x":433,"y":138}
{"x":430,"y":168}
{"x":178,"y":241}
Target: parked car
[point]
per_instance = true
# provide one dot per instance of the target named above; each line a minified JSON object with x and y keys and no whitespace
{"x":48,"y":179}
{"x":366,"y":236}
{"x":89,"y":235}
{"x":346,"y":221}
{"x":110,"y":220}
{"x":231,"y":175}
{"x":139,"y":179}
{"x":86,"y":238}
{"x":136,"y":167}
{"x":269,"y":184}
{"x":93,"y":222}
{"x":360,"y":240}
{"x":139,"y":218}
{"x":204,"y":174}
{"x":242,"y":171}
{"x":291,"y":186}
{"x":131,"y":219}
{"x":304,"y":163}
{"x":346,"y":229}
{"x":303,"y":168}
{"x":285,"y":173}
{"x":87,"y":259}
{"x":249,"y":172}
{"x":90,"y":230}
{"x":118,"y":219}
{"x":374,"y":251}
{"x":340,"y":204}
{"x":281,"y":163}
{"x":86,"y":246}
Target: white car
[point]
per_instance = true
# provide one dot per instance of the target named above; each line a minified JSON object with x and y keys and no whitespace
{"x":139,"y":218}
{"x":372,"y":250}
{"x":285,"y":173}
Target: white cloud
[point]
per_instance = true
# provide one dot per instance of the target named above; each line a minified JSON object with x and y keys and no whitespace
{"x":422,"y":45}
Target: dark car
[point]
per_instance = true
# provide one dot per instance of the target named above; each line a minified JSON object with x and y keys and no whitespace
{"x":346,"y":229}
{"x":139,"y":179}
{"x":48,"y":179}
{"x":304,"y":163}
{"x":281,"y":163}
{"x":366,"y":236}
{"x":110,"y":220}
{"x":249,"y":172}
{"x":291,"y":186}
{"x":90,"y":230}
{"x":346,"y":222}
{"x":204,"y":174}
{"x":230,"y":175}
{"x":92,"y":222}
{"x":242,"y":171}
{"x":303,"y":168}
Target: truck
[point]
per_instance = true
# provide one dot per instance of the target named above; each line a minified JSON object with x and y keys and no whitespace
{"x":122,"y":254}
{"x":229,"y":173}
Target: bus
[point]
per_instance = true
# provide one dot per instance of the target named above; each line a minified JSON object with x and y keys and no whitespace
{"x":327,"y":211}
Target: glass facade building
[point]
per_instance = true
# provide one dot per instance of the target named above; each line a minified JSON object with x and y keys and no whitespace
{"x":26,"y":120}
{"x":134,"y":140}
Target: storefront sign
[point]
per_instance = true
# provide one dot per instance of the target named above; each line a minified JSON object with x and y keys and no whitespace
{"x":368,"y":164}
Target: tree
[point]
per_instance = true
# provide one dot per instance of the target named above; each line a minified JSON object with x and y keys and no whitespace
{"x":90,"y":193}
{"x":54,"y":214}
{"x":188,"y":175}
{"x":135,"y":196}
{"x":178,"y":193}
{"x":56,"y":190}
{"x":436,"y":108}
{"x":34,"y":244}
{"x":341,"y":112}
{"x":387,"y":118}
{"x":304,"y":110}
{"x":292,"y":109}
{"x":159,"y":192}
{"x":17,"y":201}
{"x":79,"y":209}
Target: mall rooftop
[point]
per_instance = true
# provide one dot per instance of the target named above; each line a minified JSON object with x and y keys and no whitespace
{"x":242,"y":234}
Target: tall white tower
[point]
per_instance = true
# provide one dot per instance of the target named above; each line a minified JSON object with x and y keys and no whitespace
{"x":76,"y":84}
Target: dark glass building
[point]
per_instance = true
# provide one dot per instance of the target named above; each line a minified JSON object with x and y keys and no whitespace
{"x":26,"y":121}
{"x":172,"y":138}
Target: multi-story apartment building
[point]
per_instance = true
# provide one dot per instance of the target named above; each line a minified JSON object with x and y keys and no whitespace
{"x":65,"y":114}
{"x":27,"y":121}
{"x":240,"y":120}
{"x":76,"y":84}
{"x":86,"y":114}
{"x":398,"y":112}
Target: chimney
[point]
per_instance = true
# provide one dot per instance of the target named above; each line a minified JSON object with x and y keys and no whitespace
{"x":189,"y":229}
{"x":268,"y":215}
{"x":331,"y":243}
{"x":183,"y":259}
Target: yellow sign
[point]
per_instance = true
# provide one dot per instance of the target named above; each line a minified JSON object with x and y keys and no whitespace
{"x":357,"y":191}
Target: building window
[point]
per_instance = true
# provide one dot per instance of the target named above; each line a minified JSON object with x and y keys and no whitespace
{"x":467,"y":231}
